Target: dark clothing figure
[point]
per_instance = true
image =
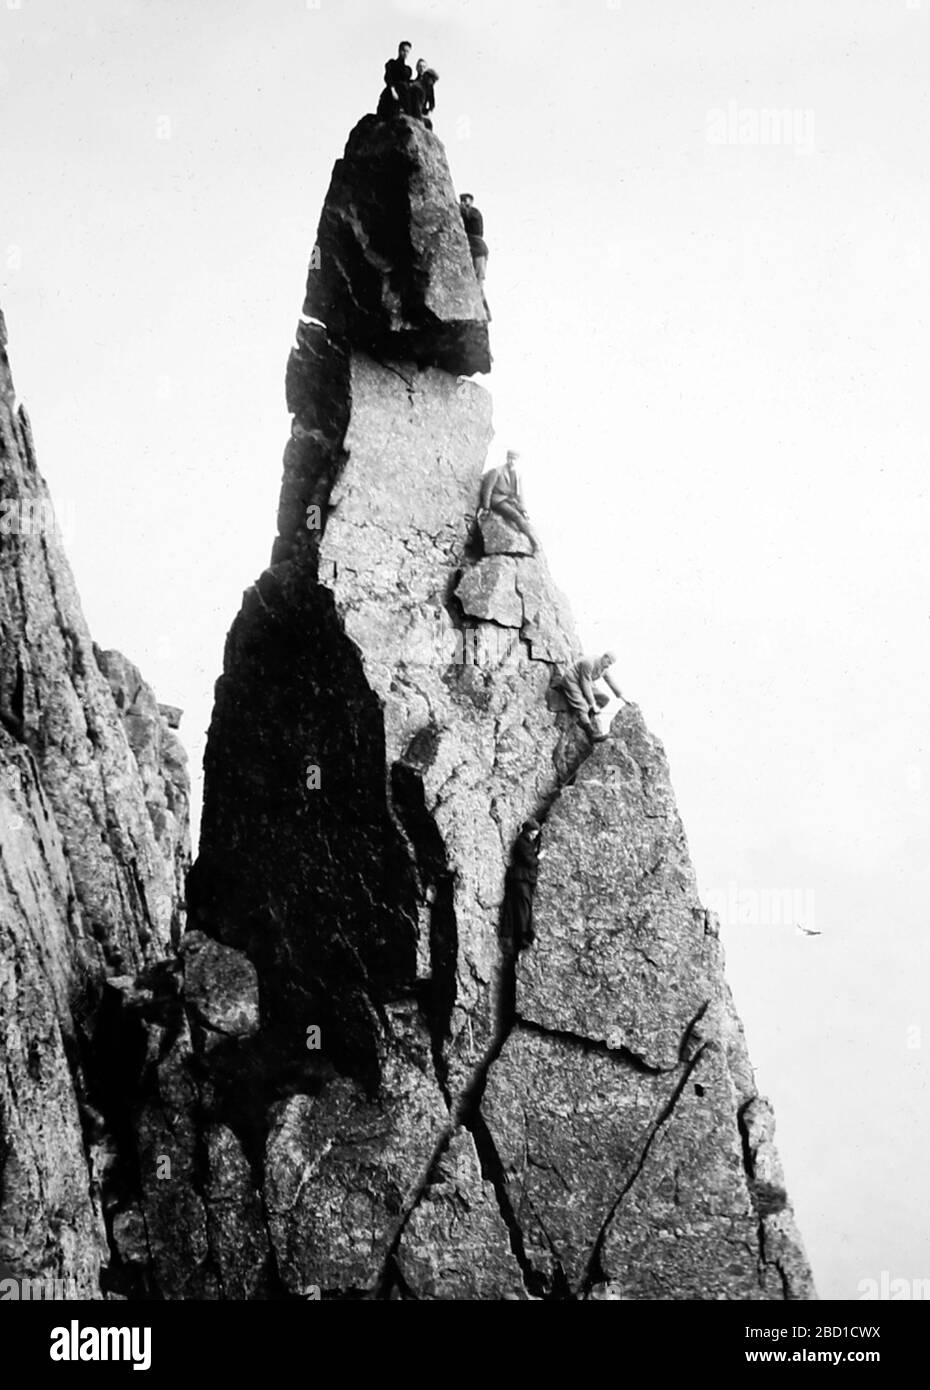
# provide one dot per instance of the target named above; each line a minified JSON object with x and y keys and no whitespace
{"x":474,"y":230}
{"x":388,"y":105}
{"x":419,"y":97}
{"x":520,"y":887}
{"x":397,"y":77}
{"x":396,"y":72}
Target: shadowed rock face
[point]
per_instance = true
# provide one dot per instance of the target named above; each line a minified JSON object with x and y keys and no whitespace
{"x":93,"y":842}
{"x":417,"y":1115}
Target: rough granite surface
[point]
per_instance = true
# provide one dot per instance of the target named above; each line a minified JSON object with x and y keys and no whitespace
{"x":93,"y":853}
{"x":424,"y":1115}
{"x":344,"y":1082}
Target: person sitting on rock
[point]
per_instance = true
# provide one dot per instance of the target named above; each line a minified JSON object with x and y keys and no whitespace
{"x":397,"y":76}
{"x":420,"y":97}
{"x":474,"y":230}
{"x":521,"y":885}
{"x":501,"y":493}
{"x":577,"y":685}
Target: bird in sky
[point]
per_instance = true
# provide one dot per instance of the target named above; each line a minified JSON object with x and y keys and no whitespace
{"x":806,"y":931}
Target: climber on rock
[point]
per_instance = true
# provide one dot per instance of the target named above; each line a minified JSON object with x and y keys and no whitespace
{"x":577,"y":685}
{"x":474,"y":230}
{"x":501,"y":493}
{"x":420,"y":96}
{"x":521,"y":885}
{"x":397,"y":77}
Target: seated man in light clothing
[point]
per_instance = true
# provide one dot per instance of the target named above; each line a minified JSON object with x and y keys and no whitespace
{"x":501,"y":492}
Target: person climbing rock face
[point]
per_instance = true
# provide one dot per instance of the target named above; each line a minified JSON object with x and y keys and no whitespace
{"x":577,"y":685}
{"x":474,"y":230}
{"x":521,"y":885}
{"x":501,"y":493}
{"x":397,"y":77}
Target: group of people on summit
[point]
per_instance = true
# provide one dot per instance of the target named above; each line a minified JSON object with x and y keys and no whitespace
{"x":404,"y":94}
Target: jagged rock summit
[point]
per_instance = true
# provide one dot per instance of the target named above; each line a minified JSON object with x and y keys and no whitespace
{"x":397,"y":276}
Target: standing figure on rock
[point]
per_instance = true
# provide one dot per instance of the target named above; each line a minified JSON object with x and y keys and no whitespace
{"x":474,"y":230}
{"x":577,"y":685}
{"x":501,"y":493}
{"x":397,"y":76}
{"x":420,"y":95}
{"x":520,"y":887}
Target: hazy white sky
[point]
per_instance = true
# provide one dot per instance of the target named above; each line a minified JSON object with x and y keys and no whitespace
{"x":711,"y":350}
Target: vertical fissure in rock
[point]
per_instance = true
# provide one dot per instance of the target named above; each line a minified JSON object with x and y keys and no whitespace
{"x":504,"y":998}
{"x":383,"y":1283}
{"x":18,"y":697}
{"x":437,"y":882}
{"x":493,"y":1170}
{"x":692,"y":1036}
{"x":594,"y":1263}
{"x":147,"y":934}
{"x":396,"y":1283}
{"x":12,"y":709}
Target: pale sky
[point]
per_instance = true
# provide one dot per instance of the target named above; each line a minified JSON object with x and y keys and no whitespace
{"x":711,"y":351}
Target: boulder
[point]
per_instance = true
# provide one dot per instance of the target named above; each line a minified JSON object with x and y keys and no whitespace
{"x":500,"y":538}
{"x":391,"y":271}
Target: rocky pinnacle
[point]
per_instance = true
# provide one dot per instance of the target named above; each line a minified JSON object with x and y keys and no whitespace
{"x":346,"y":1084}
{"x":419,"y":1114}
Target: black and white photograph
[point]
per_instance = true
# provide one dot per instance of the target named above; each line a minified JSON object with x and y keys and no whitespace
{"x":464,"y":671}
